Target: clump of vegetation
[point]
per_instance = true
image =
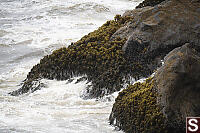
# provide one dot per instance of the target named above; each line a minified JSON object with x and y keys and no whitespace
{"x":149,"y":3}
{"x":136,"y":111}
{"x":96,"y":56}
{"x":99,"y":58}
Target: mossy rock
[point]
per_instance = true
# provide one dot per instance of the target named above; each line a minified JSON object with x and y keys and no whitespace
{"x":136,"y":111}
{"x":95,"y":56}
{"x":99,"y":56}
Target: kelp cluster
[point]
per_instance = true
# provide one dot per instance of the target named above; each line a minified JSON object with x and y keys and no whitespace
{"x":95,"y":55}
{"x":136,"y":111}
{"x":149,"y":3}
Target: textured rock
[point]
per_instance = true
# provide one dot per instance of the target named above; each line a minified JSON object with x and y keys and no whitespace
{"x":34,"y":84}
{"x":136,"y":111}
{"x":149,"y":3}
{"x":178,"y":84}
{"x":131,"y":45}
{"x":94,"y":56}
{"x":154,"y":32}
{"x":162,"y":103}
{"x":164,"y":26}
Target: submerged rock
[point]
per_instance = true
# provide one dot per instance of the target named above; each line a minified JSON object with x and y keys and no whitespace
{"x":34,"y":84}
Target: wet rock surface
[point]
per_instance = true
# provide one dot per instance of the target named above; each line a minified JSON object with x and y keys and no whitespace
{"x":130,"y":45}
{"x":162,"y":102}
{"x":135,"y":109}
{"x":173,"y":92}
{"x":134,"y":45}
{"x":96,"y":57}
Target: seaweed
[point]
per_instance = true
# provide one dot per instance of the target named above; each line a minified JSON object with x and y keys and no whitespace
{"x":94,"y":55}
{"x":136,"y":111}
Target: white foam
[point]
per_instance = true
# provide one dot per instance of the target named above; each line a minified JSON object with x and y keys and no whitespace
{"x":56,"y":107}
{"x":47,"y":25}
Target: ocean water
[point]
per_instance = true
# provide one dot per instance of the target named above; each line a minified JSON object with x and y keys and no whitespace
{"x":31,"y":29}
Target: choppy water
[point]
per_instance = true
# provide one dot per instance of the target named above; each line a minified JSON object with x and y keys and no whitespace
{"x":30,"y":29}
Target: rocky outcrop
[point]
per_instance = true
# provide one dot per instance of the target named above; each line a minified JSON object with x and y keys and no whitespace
{"x":130,"y":45}
{"x":94,"y":56}
{"x":133,"y":45}
{"x":162,"y":27}
{"x":136,"y":111}
{"x":155,"y":31}
{"x":169,"y":23}
{"x":178,"y":84}
{"x":161,"y":104}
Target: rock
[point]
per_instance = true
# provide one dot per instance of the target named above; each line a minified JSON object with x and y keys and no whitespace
{"x":96,"y":57}
{"x":136,"y":111}
{"x":29,"y":86}
{"x":178,"y":84}
{"x":131,"y":45}
{"x":160,"y":29}
{"x":149,"y":3}
{"x":162,"y":103}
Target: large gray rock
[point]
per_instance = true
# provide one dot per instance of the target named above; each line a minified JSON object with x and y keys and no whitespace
{"x":178,"y":83}
{"x":168,"y":24}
